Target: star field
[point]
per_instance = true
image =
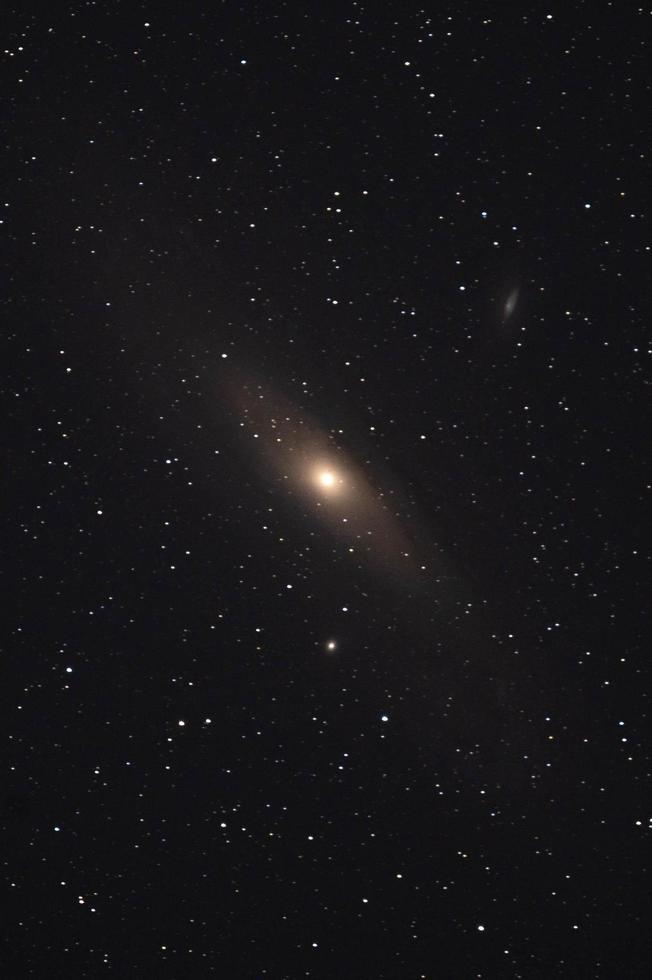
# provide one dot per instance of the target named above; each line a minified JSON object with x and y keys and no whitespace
{"x":325,"y":397}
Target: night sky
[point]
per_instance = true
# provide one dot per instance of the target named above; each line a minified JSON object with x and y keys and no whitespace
{"x":326,"y":569}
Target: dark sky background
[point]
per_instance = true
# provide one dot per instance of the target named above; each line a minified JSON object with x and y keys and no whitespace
{"x":239,"y":740}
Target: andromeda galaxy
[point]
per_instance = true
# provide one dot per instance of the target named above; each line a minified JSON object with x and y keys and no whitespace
{"x":309,"y":463}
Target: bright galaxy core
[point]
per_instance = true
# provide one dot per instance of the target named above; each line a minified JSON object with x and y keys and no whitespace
{"x":328,"y":480}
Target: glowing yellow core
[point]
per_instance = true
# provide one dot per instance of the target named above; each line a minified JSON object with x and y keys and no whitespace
{"x":327,"y":479}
